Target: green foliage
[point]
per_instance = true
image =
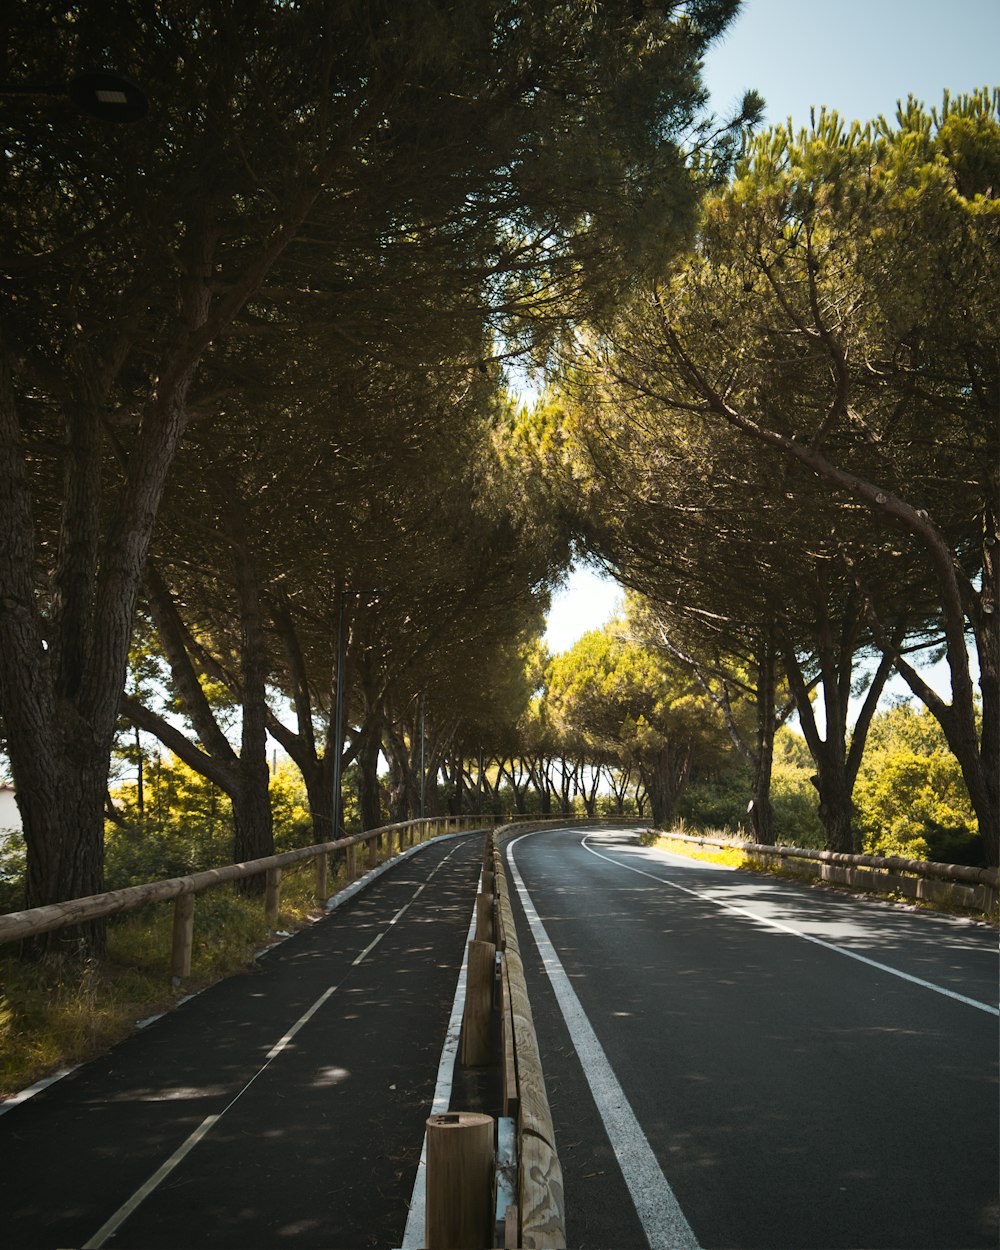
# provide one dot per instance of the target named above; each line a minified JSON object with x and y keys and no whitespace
{"x":185,"y":826}
{"x":12,"y":865}
{"x":186,"y":823}
{"x":617,"y":696}
{"x":61,"y":1011}
{"x":795,"y":429}
{"x":718,"y":801}
{"x":290,"y":805}
{"x":910,"y":796}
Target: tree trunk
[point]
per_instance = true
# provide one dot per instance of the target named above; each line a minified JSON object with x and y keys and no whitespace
{"x":835,"y":809}
{"x":253,"y":828}
{"x":318,"y":778}
{"x":761,"y":810}
{"x":987,"y":807}
{"x":665,"y":776}
{"x":66,"y":860}
{"x":251,"y":799}
{"x":369,"y":789}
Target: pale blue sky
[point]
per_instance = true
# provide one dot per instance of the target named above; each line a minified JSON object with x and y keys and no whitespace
{"x":857,"y":56}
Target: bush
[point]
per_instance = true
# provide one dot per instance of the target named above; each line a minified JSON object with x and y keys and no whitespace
{"x":718,"y":803}
{"x":793,"y":796}
{"x":721,"y":803}
{"x":910,"y":796}
{"x":12,"y":865}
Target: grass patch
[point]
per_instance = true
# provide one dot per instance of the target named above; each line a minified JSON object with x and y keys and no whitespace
{"x":731,"y":858}
{"x":59,"y":1010}
{"x":804,"y":873}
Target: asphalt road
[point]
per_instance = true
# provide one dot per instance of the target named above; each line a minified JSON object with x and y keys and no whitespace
{"x":735,"y":1061}
{"x":281,"y":1108}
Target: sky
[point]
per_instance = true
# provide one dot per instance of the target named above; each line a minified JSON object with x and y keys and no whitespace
{"x":856,"y":56}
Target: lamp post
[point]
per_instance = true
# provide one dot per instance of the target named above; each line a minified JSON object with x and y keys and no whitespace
{"x":423,"y":766}
{"x":101,"y":93}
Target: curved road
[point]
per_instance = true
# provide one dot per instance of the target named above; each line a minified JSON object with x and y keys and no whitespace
{"x":735,"y":1061}
{"x":281,"y":1108}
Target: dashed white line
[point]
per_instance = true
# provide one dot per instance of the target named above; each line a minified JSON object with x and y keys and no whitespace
{"x":413,"y":1235}
{"x":111,"y":1226}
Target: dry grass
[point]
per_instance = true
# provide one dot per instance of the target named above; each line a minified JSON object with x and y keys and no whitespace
{"x":62,"y":1010}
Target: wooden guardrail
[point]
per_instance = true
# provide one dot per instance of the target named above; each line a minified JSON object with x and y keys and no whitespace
{"x":539,"y":1219}
{"x":522,"y":1205}
{"x":969,"y":887}
{"x":22,"y":924}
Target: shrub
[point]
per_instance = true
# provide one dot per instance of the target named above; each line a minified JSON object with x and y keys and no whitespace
{"x":910,"y":797}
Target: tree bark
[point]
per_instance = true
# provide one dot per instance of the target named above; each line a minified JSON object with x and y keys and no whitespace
{"x":369,"y":787}
{"x":761,"y":809}
{"x":665,"y":776}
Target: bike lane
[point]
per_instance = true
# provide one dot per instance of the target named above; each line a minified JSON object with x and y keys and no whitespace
{"x":281,"y":1107}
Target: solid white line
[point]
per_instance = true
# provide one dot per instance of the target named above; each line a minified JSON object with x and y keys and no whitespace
{"x":806,"y":937}
{"x":413,"y":1235}
{"x":304,"y":1019}
{"x":659,"y":1212}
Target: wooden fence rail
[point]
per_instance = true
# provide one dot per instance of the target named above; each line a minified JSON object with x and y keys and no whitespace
{"x":975,"y":888}
{"x":38,"y":920}
{"x":540,"y":1216}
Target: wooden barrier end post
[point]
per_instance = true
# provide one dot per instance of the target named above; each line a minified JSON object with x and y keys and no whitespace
{"x":461,"y":1166}
{"x":477,"y":1021}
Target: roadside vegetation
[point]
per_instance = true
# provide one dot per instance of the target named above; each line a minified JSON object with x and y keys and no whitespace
{"x":66,"y":1007}
{"x":272,"y":512}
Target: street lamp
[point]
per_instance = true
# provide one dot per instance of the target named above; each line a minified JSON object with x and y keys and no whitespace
{"x":104,"y":94}
{"x":423,"y":765}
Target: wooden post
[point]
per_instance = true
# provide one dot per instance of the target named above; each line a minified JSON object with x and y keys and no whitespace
{"x":484,"y":918}
{"x":460,"y":1181}
{"x":477,"y":1020}
{"x":272,"y":897}
{"x":183,"y":936}
{"x":322,"y":889}
{"x":351,"y":860}
{"x":390,"y":843}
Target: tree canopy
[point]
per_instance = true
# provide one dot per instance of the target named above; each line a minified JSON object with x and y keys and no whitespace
{"x":365,"y":206}
{"x":798,"y":421}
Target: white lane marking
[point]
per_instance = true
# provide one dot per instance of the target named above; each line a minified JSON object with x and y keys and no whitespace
{"x":416,"y":1219}
{"x":111,"y":1226}
{"x":402,"y":911}
{"x":659,"y":1212}
{"x":806,"y":937}
{"x":160,"y":1175}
